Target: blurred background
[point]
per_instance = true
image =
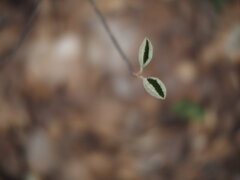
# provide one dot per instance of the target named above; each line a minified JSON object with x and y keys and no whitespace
{"x":70,"y":110}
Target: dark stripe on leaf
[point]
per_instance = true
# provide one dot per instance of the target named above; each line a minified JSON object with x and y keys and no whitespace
{"x":156,"y":86}
{"x":146,"y":52}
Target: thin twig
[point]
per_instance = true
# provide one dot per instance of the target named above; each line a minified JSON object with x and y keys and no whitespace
{"x":21,"y":37}
{"x":110,"y":34}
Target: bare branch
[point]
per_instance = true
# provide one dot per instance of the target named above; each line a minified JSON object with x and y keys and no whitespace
{"x":110,"y":34}
{"x":22,"y":36}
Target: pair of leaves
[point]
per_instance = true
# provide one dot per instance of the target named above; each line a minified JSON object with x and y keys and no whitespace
{"x":152,"y":85}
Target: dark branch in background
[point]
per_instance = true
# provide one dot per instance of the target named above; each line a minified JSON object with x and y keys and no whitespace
{"x":26,"y":29}
{"x":22,"y":36}
{"x":110,"y":34}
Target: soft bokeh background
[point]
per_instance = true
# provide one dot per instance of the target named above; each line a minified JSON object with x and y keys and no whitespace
{"x":69,"y":109}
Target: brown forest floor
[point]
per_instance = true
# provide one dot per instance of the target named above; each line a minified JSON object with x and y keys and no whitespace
{"x":69,"y":110}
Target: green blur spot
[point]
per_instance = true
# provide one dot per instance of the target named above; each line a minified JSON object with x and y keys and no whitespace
{"x":218,"y":4}
{"x":188,"y":110}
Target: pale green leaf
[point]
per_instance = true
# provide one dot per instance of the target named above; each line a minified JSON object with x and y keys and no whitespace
{"x":155,"y":87}
{"x":145,"y":53}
